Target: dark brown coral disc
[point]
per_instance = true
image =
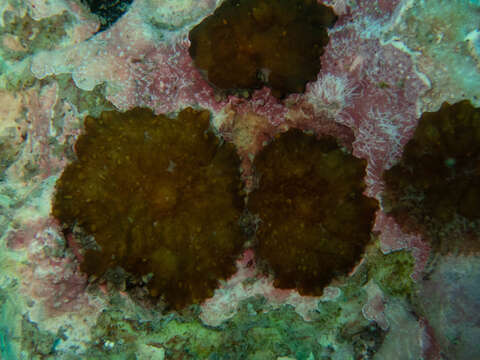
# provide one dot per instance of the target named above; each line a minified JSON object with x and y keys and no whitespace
{"x":314,"y":219}
{"x":435,"y":187}
{"x":160,"y":196}
{"x":247,"y":44}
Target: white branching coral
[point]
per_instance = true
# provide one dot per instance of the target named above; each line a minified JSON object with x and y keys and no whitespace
{"x":330,"y":94}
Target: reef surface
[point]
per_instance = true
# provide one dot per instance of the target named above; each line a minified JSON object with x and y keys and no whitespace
{"x":409,"y":288}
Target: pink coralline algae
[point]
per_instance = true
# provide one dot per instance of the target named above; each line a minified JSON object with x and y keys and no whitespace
{"x":356,"y":86}
{"x":50,"y":279}
{"x":393,"y":238}
{"x":382,"y":111}
{"x":382,"y":87}
{"x":368,"y":94}
{"x":374,"y":309}
{"x":138,"y":70}
{"x":38,"y":156}
{"x":357,"y":97}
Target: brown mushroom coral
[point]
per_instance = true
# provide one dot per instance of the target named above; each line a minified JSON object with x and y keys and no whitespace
{"x":160,"y":196}
{"x":314,"y":219}
{"x":247,"y":44}
{"x":435,"y":187}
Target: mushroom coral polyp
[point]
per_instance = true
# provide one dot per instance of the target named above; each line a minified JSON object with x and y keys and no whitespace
{"x":315,"y":220}
{"x":164,"y":197}
{"x":160,"y":196}
{"x":247,"y":44}
{"x":435,"y":187}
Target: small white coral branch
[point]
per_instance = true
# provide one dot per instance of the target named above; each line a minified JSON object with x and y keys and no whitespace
{"x":340,"y":6}
{"x":381,"y":135}
{"x":330,"y":94}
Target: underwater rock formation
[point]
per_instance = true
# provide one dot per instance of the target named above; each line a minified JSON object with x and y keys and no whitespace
{"x":446,"y":33}
{"x":380,"y":60}
{"x":245,"y":45}
{"x":159,"y":196}
{"x":314,"y":219}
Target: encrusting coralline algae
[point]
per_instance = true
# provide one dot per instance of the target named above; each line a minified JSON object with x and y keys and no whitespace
{"x":385,"y":63}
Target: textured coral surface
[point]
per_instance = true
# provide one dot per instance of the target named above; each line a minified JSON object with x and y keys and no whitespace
{"x":386,"y":62}
{"x":160,"y":196}
{"x":314,"y":219}
{"x":446,"y":33}
{"x":247,"y":44}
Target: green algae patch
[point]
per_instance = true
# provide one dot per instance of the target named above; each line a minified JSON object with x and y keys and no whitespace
{"x":314,"y":219}
{"x":260,"y":332}
{"x":160,"y":197}
{"x":93,"y":102}
{"x":24,"y":35}
{"x":248,"y":44}
{"x":39,"y":343}
{"x":434,"y":189}
{"x":393,"y":272}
